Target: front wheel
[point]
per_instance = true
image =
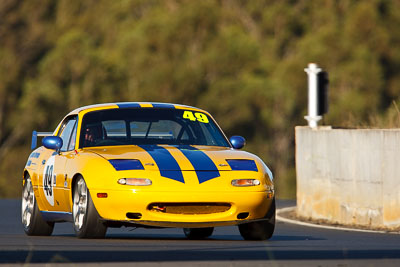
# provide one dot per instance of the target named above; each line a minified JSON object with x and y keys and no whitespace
{"x":87,"y":222}
{"x":32,"y":220}
{"x":261,"y":230}
{"x":198,"y":233}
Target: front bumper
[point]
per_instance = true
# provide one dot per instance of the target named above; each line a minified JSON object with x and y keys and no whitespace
{"x":118,"y":203}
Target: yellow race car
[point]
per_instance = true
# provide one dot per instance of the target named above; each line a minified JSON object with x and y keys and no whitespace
{"x":147,"y":165}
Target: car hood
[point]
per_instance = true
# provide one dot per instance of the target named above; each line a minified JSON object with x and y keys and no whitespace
{"x":182,"y":158}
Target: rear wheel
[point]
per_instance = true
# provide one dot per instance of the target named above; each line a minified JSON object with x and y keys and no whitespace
{"x":260,"y":230}
{"x":32,"y":220}
{"x":198,"y":233}
{"x":87,"y":222}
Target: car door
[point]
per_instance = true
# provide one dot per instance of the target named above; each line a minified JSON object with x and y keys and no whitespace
{"x":53,"y":181}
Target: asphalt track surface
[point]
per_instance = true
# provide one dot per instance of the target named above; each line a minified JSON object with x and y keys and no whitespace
{"x":291,"y":245}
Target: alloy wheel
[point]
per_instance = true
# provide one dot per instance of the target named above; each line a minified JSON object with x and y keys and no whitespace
{"x":80,"y":204}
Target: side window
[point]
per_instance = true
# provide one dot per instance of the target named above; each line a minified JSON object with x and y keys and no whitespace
{"x":73,"y":138}
{"x":66,"y":131}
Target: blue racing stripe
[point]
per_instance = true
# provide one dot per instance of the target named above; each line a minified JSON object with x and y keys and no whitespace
{"x":204,"y":166}
{"x":166,"y":163}
{"x":128,"y":105}
{"x":162,"y":105}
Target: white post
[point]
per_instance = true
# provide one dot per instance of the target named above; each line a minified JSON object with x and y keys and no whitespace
{"x":312,"y":117}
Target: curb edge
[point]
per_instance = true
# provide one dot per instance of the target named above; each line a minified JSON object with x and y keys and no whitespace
{"x":283,"y":219}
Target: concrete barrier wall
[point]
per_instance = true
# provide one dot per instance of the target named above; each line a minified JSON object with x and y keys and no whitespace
{"x":350,"y":177}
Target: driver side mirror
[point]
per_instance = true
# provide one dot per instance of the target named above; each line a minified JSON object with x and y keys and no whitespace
{"x":237,"y":141}
{"x":52,"y":142}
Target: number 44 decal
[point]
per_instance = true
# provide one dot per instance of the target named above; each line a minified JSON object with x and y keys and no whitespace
{"x":197,"y":116}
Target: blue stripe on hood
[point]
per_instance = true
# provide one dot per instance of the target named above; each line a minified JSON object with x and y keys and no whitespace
{"x":203,"y":165}
{"x":166,"y":163}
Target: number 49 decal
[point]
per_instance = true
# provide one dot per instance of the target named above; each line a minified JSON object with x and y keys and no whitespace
{"x":49,"y":180}
{"x":197,"y":116}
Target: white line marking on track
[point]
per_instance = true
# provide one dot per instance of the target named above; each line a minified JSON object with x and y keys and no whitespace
{"x":288,"y":209}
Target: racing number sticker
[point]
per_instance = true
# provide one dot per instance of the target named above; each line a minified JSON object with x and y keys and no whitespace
{"x":48,"y":174}
{"x":197,"y":116}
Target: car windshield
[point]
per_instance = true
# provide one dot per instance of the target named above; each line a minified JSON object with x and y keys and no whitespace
{"x":149,"y":126}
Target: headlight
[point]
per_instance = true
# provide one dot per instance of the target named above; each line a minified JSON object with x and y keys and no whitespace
{"x":242,"y":165}
{"x":245,"y":182}
{"x":135,"y":181}
{"x":126,"y":164}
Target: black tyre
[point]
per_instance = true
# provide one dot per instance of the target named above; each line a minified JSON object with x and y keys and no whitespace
{"x":260,"y":230}
{"x":32,"y":220}
{"x":198,"y":233}
{"x":87,"y":222}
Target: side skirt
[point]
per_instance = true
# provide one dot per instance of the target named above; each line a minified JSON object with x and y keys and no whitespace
{"x":57,"y":216}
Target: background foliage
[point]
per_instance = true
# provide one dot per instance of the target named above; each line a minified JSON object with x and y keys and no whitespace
{"x":241,"y":60}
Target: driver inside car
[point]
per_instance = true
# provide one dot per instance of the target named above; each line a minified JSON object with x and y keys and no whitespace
{"x":93,"y":134}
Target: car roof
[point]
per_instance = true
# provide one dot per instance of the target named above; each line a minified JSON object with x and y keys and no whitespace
{"x":116,"y":105}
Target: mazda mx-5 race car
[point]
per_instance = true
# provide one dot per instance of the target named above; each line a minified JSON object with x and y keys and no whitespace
{"x":147,"y":165}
